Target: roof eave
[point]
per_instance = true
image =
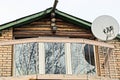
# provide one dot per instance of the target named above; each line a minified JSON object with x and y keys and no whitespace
{"x":73,"y":19}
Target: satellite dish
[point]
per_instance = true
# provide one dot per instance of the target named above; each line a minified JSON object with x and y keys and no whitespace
{"x":105,"y":28}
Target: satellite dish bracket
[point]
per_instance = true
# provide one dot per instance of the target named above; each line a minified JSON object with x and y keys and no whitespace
{"x":109,"y":32}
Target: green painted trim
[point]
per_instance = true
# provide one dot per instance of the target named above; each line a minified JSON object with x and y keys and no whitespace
{"x":74,"y":20}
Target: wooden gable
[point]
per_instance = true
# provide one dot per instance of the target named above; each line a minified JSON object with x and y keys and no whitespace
{"x":42,"y":27}
{"x":39,"y":25}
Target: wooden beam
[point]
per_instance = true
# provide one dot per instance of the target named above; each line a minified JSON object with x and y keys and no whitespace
{"x":48,"y":29}
{"x":54,"y":5}
{"x":57,"y":33}
{"x":57,"y":40}
{"x":97,"y":60}
{"x":55,"y":77}
{"x":23,"y":36}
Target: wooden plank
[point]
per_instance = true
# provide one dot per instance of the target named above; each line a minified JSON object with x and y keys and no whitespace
{"x":63,"y":23}
{"x":68,"y":33}
{"x":19,"y":77}
{"x":50,"y":32}
{"x":40,"y":22}
{"x":65,"y":77}
{"x":97,"y":61}
{"x":35,"y":36}
{"x":32,"y":26}
{"x":49,"y":28}
{"x":57,"y":19}
{"x":48,"y":25}
{"x":55,"y":77}
{"x":67,"y":26}
{"x":59,"y":40}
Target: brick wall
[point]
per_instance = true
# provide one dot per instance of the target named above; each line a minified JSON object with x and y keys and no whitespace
{"x":117,"y":56}
{"x":114,"y":61}
{"x":6,"y":54}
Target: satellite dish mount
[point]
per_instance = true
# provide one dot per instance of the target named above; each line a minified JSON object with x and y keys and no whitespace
{"x":109,"y":32}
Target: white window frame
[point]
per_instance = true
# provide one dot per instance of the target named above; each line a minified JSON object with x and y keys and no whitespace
{"x":67,"y":52}
{"x":68,"y":59}
{"x":42,"y":58}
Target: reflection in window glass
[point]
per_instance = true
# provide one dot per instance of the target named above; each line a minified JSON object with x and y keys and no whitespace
{"x":26,"y":58}
{"x":82,"y":59}
{"x":54,"y":58}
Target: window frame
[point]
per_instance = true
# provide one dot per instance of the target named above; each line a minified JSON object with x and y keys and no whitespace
{"x":68,"y":58}
{"x":95,"y":43}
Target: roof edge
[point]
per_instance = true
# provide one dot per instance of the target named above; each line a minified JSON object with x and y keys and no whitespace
{"x":25,"y":19}
{"x":74,"y":19}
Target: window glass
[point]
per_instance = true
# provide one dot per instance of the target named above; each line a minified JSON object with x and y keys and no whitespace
{"x":54,"y":58}
{"x":26,"y":58}
{"x":82,"y":59}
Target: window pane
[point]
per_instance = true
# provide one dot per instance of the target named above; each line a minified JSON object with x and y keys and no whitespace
{"x":26,"y":58}
{"x":82,"y":59}
{"x":54,"y":58}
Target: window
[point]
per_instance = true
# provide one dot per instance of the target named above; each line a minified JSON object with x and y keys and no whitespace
{"x":82,"y":59}
{"x":54,"y":58}
{"x":26,"y":58}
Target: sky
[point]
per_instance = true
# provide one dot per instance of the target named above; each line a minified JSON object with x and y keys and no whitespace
{"x":85,"y":9}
